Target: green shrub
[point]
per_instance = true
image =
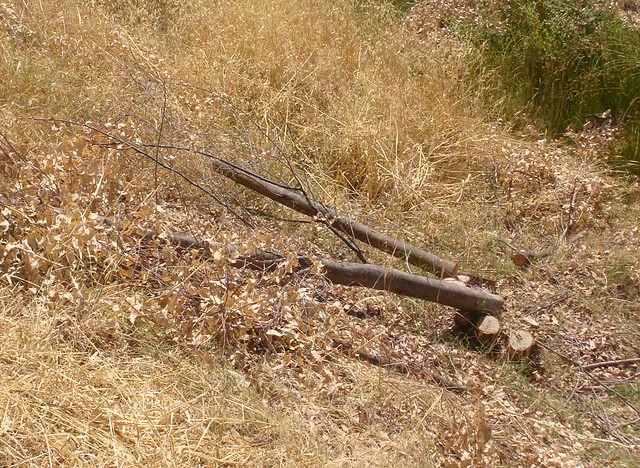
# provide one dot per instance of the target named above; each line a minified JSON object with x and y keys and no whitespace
{"x":561,"y":62}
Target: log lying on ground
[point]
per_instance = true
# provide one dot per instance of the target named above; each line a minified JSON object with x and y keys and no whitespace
{"x":447,"y":293}
{"x":405,"y":284}
{"x":450,"y":293}
{"x":302,"y":204}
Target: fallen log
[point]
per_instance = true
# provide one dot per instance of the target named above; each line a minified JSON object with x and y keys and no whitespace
{"x":299,"y":202}
{"x":405,"y":284}
{"x":447,"y":293}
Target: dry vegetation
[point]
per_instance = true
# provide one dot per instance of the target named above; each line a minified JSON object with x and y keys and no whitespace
{"x":121,"y":351}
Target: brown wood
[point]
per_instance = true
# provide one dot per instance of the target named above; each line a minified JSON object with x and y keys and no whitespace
{"x":487,"y":329}
{"x":401,"y":367}
{"x":615,"y":363}
{"x":301,"y":203}
{"x":405,"y":284}
{"x":463,"y":321}
{"x":450,"y":293}
{"x":466,"y":279}
{"x":520,"y":345}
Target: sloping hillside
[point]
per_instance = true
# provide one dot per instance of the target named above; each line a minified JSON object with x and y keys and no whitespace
{"x":120,"y":348}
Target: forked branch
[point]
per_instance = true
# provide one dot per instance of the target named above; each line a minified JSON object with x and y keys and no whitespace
{"x":294,"y":199}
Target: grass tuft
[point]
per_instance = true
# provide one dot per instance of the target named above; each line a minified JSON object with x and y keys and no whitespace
{"x":563,"y":62}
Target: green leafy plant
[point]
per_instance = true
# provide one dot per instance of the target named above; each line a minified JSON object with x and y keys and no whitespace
{"x":562,"y":62}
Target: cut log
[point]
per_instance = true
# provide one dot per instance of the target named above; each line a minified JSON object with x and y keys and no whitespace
{"x":398,"y":282}
{"x":450,"y":293}
{"x":371,"y":276}
{"x":298,"y":201}
{"x":487,"y":329}
{"x":520,"y":345}
{"x":466,"y":279}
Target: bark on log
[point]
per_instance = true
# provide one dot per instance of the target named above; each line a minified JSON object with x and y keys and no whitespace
{"x":520,"y":345}
{"x":449,"y":293}
{"x":302,"y":204}
{"x":405,"y":284}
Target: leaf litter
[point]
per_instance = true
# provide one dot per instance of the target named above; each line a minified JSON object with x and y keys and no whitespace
{"x":279,"y":331}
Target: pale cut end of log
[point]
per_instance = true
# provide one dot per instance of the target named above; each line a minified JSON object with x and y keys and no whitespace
{"x":520,"y":345}
{"x":487,"y":329}
{"x":455,"y":281}
{"x":466,"y":279}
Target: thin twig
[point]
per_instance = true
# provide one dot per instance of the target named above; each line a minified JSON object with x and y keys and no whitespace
{"x":141,"y":152}
{"x":350,"y":245}
{"x":157,"y":157}
{"x":570,"y":218}
{"x":614,"y":363}
{"x":302,"y":184}
{"x":402,"y":367}
{"x":238,"y":110}
{"x":531,"y":255}
{"x":554,"y":302}
{"x":586,"y":372}
{"x":255,"y":211}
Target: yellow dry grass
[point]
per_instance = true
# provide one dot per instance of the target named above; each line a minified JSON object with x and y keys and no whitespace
{"x":78,"y":393}
{"x":376,"y":120}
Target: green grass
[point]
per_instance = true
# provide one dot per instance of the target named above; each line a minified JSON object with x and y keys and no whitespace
{"x":562,"y":62}
{"x":626,"y":152}
{"x":631,"y":392}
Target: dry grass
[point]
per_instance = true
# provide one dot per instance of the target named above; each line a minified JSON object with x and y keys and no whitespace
{"x":374,"y":119}
{"x":343,"y":81}
{"x":81,"y":391}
